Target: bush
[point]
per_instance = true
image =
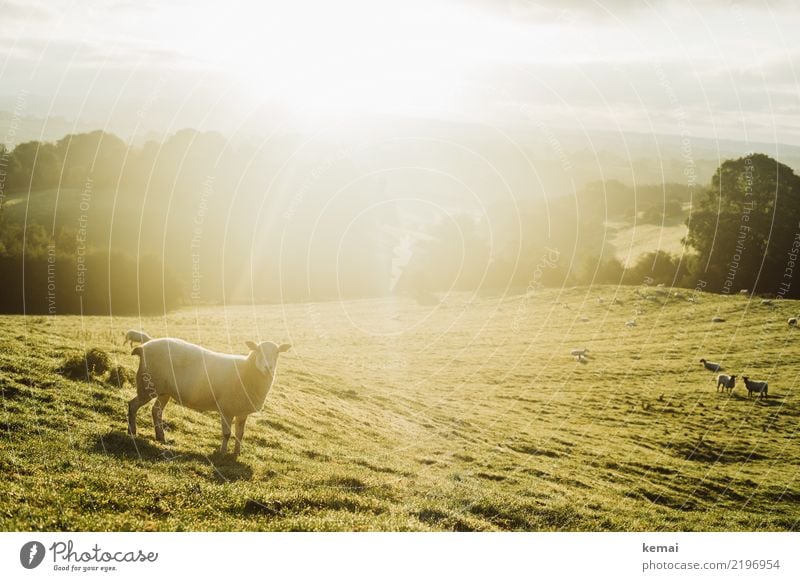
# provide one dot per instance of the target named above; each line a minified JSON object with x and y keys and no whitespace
{"x":83,"y":367}
{"x":120,"y":375}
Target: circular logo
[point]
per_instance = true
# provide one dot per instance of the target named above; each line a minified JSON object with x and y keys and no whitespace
{"x":31,"y":554}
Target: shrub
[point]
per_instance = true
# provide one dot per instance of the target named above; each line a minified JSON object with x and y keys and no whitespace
{"x":83,"y":367}
{"x":120,"y":375}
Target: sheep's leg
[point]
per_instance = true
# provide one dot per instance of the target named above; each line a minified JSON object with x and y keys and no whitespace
{"x":133,"y":408}
{"x":226,"y":433}
{"x":158,"y":411}
{"x":239,"y":434}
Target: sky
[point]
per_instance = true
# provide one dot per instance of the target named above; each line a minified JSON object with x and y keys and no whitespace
{"x":716,"y":69}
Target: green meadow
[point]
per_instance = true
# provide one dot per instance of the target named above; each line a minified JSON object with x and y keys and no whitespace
{"x":466,"y":415}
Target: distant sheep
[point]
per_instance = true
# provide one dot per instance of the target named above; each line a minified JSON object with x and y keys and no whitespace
{"x":792,"y":321}
{"x":204,"y":380}
{"x":133,"y":336}
{"x":631,"y":323}
{"x":759,"y":387}
{"x":767,"y":302}
{"x":711,"y":366}
{"x":726,"y":382}
{"x":744,"y":291}
{"x":717,"y":319}
{"x":579,"y":352}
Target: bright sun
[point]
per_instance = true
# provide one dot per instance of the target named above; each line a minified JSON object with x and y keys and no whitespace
{"x":352,"y":56}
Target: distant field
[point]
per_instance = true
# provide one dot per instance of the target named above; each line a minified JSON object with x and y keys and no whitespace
{"x":388,"y":415}
{"x":631,"y":242}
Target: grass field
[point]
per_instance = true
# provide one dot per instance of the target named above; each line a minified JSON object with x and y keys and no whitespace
{"x":388,"y":415}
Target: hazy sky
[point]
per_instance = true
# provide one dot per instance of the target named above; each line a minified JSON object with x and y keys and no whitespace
{"x":711,"y":68}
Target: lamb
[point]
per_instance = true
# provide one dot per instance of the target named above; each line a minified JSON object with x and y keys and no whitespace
{"x":760,"y":387}
{"x":204,"y":380}
{"x":711,"y":366}
{"x":792,"y":321}
{"x":134,"y":336}
{"x":726,"y":381}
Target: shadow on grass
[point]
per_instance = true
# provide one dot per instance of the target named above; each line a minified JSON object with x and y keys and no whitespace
{"x":119,"y":444}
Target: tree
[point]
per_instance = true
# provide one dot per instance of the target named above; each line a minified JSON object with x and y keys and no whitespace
{"x":748,"y":228}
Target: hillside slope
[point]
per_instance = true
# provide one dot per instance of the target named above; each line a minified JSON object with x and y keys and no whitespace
{"x":388,"y":415}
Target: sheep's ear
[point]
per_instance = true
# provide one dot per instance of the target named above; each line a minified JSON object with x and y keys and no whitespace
{"x":251,"y":345}
{"x":284,"y":347}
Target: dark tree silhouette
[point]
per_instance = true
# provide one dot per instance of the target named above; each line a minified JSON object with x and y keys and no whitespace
{"x":747,"y":229}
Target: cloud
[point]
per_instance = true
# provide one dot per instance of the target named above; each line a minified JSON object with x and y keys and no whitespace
{"x":16,"y":10}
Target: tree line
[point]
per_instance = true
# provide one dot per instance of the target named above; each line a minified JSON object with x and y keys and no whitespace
{"x":194,"y":218}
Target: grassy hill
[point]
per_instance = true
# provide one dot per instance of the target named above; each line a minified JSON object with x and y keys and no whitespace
{"x":388,"y":415}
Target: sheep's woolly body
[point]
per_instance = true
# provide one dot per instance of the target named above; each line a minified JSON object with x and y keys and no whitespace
{"x":134,"y":336}
{"x":202,"y":379}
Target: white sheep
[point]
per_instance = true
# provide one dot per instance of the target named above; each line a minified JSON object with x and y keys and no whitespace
{"x":134,"y":336}
{"x":711,"y":366}
{"x":204,"y":380}
{"x":579,"y":352}
{"x":744,"y":291}
{"x":631,"y":323}
{"x":792,"y":321}
{"x":726,"y":382}
{"x":760,"y":387}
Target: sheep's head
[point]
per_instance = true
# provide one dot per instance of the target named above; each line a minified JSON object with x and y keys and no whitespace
{"x":266,"y":355}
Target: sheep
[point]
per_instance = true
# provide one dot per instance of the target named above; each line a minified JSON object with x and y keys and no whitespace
{"x":711,"y":366}
{"x":631,"y":323}
{"x":792,"y":321}
{"x":726,"y":381}
{"x":767,"y":302}
{"x":204,"y":380}
{"x":744,"y":291}
{"x":579,"y":352}
{"x":760,"y":387}
{"x":134,"y":336}
{"x":717,"y":319}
